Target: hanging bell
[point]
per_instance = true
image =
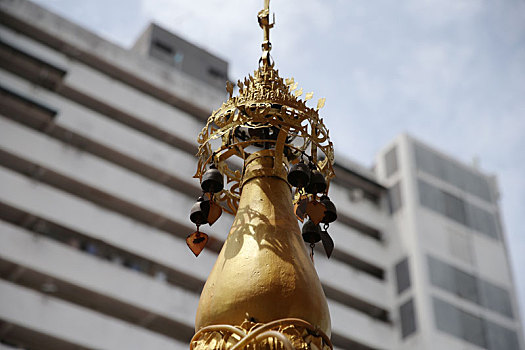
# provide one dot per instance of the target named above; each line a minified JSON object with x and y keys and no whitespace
{"x":212,"y":180}
{"x":299,"y":175}
{"x":330,"y":213}
{"x":317,"y":183}
{"x":200,"y":211}
{"x":311,"y":232}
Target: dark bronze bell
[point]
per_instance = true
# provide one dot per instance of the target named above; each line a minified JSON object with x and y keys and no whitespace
{"x":212,"y":180}
{"x":317,"y":183}
{"x":330,"y":213}
{"x":199,"y":211}
{"x":311,"y":232}
{"x":299,"y":175}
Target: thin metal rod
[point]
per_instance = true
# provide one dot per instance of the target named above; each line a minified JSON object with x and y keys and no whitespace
{"x":267,"y":26}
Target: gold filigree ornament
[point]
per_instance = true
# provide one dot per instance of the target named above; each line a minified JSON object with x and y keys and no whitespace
{"x":266,"y":114}
{"x":285,"y":334}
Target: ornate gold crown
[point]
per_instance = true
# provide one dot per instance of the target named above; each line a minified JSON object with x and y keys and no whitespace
{"x":267,"y":114}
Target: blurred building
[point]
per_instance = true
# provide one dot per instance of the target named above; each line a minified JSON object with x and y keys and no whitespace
{"x":453,"y":280}
{"x":97,"y":149}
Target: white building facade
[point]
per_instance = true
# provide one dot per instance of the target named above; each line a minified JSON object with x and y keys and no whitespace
{"x":97,"y":149}
{"x":453,"y":279}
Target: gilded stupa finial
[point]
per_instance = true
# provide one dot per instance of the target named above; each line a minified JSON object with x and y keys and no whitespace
{"x":276,"y":157}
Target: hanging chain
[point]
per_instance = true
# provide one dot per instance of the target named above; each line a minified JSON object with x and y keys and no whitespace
{"x":312,"y":246}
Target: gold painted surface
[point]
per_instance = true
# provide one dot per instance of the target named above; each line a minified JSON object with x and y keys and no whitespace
{"x":266,"y":165}
{"x":263,"y":269}
{"x":284,"y":334}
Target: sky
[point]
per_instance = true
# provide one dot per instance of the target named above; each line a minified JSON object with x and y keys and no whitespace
{"x":449,"y":72}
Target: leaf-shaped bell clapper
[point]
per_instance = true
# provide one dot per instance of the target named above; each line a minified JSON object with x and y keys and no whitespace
{"x":317,"y":183}
{"x":330,"y":213}
{"x":200,"y":211}
{"x":311,"y":232}
{"x":299,"y":175}
{"x":197,"y":241}
{"x":212,"y":180}
{"x":214,"y":212}
{"x":328,"y":243}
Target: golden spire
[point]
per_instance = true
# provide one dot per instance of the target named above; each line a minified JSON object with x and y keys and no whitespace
{"x":264,"y":22}
{"x":263,"y":292}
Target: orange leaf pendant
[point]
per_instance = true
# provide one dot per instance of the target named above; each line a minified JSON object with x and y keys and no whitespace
{"x":315,"y":211}
{"x":196,"y":242}
{"x":214,"y":213}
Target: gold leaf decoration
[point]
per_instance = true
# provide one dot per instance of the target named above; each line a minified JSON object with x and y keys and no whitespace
{"x":229,"y":88}
{"x":320,"y":103}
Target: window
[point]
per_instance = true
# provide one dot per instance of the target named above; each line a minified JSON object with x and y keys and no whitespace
{"x":461,"y":177}
{"x":499,"y":337}
{"x":430,"y":197}
{"x":471,"y":328}
{"x":359,"y":226}
{"x":466,"y":286}
{"x":495,"y":298}
{"x":447,"y":318}
{"x":216,"y":73}
{"x":441,"y":275}
{"x":394,"y":195}
{"x":469,"y":287}
{"x":454,"y":208}
{"x":402,"y":275}
{"x":457,"y":209}
{"x":165,"y":48}
{"x":482,"y":221}
{"x":407,"y":315}
{"x":391,"y":161}
{"x":458,"y":323}
{"x":7,"y":94}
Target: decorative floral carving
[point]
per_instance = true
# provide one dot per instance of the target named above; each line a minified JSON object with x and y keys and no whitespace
{"x":285,"y":334}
